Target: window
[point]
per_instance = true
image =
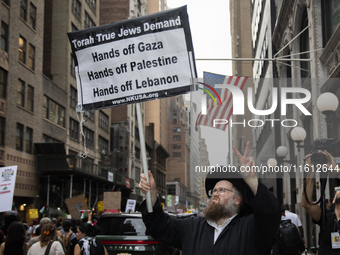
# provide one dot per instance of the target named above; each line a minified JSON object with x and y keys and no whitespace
{"x":31,"y":56}
{"x":33,"y":15}
{"x":176,"y":138}
{"x":54,"y":111}
{"x":104,"y":121}
{"x":72,"y":65}
{"x":137,"y":133}
{"x":30,"y":98}
{"x":74,"y":129}
{"x":3,"y":83}
{"x":103,"y":145}
{"x":176,"y":154}
{"x":2,"y":131}
{"x":91,"y":115}
{"x":304,"y":47}
{"x":21,"y":93}
{"x":29,"y":140}
{"x":177,"y":130}
{"x":4,"y":36}
{"x":92,"y":4}
{"x":174,"y":121}
{"x":22,"y":49}
{"x":137,"y":174}
{"x":48,"y":139}
{"x":19,"y":137}
{"x":73,"y":28}
{"x":23,"y":9}
{"x":176,"y":146}
{"x":330,"y":18}
{"x":171,"y":189}
{"x":89,"y":135}
{"x":76,"y":8}
{"x":174,"y":114}
{"x":73,"y":97}
{"x":88,"y":22}
{"x":6,"y":2}
{"x":137,"y":153}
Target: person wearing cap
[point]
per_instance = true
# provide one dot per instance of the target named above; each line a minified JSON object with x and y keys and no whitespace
{"x":242,"y":216}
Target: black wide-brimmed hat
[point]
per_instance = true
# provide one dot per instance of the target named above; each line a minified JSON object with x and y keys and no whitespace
{"x":234,"y":178}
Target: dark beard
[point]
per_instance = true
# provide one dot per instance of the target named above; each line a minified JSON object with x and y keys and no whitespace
{"x":215,"y":211}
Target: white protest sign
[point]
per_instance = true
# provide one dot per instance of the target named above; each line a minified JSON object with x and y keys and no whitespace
{"x":7,"y":184}
{"x":130,"y":205}
{"x":134,"y":60}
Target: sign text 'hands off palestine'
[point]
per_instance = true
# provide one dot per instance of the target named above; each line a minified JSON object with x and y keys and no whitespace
{"x":134,"y":60}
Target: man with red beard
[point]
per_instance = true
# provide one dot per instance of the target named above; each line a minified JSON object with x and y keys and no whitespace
{"x":242,"y":216}
{"x":329,"y":220}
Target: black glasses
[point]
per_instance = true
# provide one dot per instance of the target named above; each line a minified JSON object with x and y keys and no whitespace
{"x":219,"y":190}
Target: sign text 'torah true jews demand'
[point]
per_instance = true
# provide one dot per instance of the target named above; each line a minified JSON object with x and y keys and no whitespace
{"x":134,"y":60}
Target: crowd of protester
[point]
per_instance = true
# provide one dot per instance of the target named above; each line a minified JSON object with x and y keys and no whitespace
{"x":56,"y":236}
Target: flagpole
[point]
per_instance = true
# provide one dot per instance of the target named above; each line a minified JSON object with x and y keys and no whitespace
{"x":143,"y":152}
{"x":231,"y":145}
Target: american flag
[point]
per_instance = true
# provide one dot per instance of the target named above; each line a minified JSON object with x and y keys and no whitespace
{"x":219,"y":111}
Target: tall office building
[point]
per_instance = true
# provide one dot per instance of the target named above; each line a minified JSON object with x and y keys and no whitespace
{"x":21,"y":97}
{"x":73,"y":175}
{"x":178,"y":174}
{"x":240,"y":29}
{"x":126,"y":147}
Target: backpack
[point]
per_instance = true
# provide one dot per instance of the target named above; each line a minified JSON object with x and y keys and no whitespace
{"x":66,"y":242}
{"x":289,"y":238}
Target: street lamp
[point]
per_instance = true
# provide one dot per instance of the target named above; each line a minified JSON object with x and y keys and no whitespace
{"x":328,"y":103}
{"x":272,"y":162}
{"x":282,"y":152}
{"x":298,"y":134}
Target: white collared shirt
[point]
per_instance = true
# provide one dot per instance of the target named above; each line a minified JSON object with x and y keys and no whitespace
{"x":219,"y":228}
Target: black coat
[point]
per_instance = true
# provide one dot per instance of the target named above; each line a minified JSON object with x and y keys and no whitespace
{"x":249,"y":234}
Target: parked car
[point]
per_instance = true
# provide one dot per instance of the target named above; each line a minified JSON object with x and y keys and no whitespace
{"x":126,"y":234}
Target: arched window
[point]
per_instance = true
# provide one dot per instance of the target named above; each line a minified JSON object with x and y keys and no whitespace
{"x":304,"y":47}
{"x":330,"y":18}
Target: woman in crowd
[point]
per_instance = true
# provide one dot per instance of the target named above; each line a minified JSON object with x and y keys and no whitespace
{"x":87,"y":244}
{"x":31,"y":231}
{"x":46,"y":244}
{"x":15,"y":240}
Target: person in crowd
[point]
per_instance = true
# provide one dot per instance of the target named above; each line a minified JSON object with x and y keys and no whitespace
{"x":288,"y":215}
{"x":328,"y":204}
{"x":73,"y":225}
{"x":59,"y":222}
{"x":328,"y":221}
{"x":26,"y":227}
{"x":31,"y":231}
{"x":2,"y":237}
{"x":15,"y":243}
{"x":43,"y":221}
{"x":294,"y":218}
{"x":227,"y":228}
{"x":69,"y":238}
{"x":47,"y":242}
{"x":87,"y":244}
{"x":9,"y":217}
